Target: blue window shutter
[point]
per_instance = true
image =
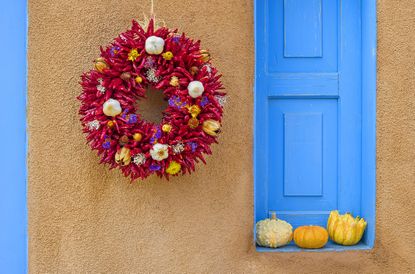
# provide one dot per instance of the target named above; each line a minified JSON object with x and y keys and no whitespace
{"x":314,"y":122}
{"x":13,"y":234}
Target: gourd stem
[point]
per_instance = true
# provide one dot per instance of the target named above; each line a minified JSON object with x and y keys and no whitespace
{"x":273,"y":215}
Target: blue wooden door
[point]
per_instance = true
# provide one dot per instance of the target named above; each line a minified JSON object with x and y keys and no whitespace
{"x":308,"y":109}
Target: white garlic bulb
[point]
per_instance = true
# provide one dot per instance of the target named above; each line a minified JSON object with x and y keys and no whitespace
{"x":154,"y":45}
{"x":195,"y":89}
{"x":111,"y":107}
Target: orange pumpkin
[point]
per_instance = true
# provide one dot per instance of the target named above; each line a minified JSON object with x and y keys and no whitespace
{"x":311,"y":236}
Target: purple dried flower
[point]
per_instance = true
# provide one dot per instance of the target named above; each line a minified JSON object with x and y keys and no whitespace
{"x":158,"y":133}
{"x":114,"y":50}
{"x":193,"y":146}
{"x":106,"y":145}
{"x":172,"y":101}
{"x":155,"y":167}
{"x":204,"y":101}
{"x":132,"y":119}
{"x":175,"y":101}
{"x":124,"y":113}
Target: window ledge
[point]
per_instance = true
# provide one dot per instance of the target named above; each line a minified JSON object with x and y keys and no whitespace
{"x":330,"y":246}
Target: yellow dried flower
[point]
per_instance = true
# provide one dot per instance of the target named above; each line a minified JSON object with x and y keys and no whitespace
{"x":138,"y":80}
{"x":110,"y":124}
{"x":166,"y":128}
{"x":174,"y":81}
{"x":168,"y":55}
{"x":133,"y":54}
{"x":194,"y":110}
{"x":193,"y":123}
{"x":137,"y":137}
{"x":173,"y":168}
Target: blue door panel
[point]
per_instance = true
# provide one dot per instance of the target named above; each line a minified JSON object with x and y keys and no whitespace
{"x":303,"y":135}
{"x":309,"y":101}
{"x":302,"y":35}
{"x":302,"y":154}
{"x":303,"y":27}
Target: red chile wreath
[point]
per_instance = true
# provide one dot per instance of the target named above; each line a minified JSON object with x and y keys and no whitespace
{"x":136,"y":60}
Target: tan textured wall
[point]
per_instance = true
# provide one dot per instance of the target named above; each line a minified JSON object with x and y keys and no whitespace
{"x":84,"y":218}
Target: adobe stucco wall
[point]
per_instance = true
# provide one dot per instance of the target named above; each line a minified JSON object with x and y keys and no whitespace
{"x":84,"y":218}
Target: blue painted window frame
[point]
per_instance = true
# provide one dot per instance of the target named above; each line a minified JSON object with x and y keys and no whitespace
{"x":369,"y":45}
{"x":13,"y":213}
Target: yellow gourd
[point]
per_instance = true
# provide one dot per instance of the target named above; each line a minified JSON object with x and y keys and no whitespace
{"x":123,"y":157}
{"x":310,"y":236}
{"x":273,"y":232}
{"x":344,"y":229}
{"x":211,"y":127}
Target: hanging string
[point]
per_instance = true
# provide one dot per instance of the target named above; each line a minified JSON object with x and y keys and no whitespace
{"x":157,"y":23}
{"x":152,"y":9}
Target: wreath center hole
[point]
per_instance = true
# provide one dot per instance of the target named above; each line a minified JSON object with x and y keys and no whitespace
{"x":151,"y":108}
